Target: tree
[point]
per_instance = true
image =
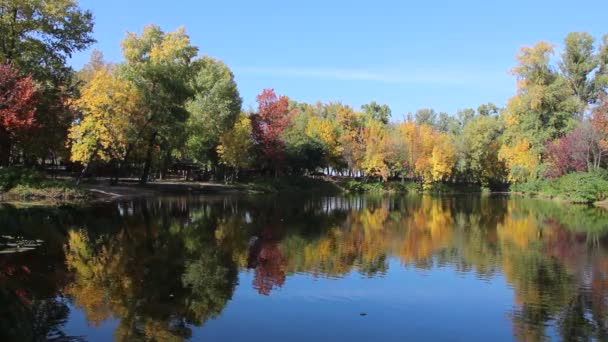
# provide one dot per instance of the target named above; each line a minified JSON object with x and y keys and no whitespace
{"x":598,"y":132}
{"x":578,"y":61}
{"x":488,"y":109}
{"x":377,"y":112}
{"x":568,"y":154}
{"x":447,"y":124}
{"x":96,"y":63}
{"x":159,"y":64}
{"x":111,"y":114}
{"x":38,"y":36}
{"x":214,"y":108}
{"x":236,"y":144}
{"x":481,"y":143}
{"x":425,"y":116}
{"x":544,"y":109}
{"x":18,"y":102}
{"x":376,"y":142}
{"x":268,"y":124}
{"x":443,"y":158}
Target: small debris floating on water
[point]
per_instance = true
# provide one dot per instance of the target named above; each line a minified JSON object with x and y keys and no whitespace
{"x":363,"y":314}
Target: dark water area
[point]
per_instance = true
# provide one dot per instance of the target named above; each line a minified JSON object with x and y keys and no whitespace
{"x":274,"y":268}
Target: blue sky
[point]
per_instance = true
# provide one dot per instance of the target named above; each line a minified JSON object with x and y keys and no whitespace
{"x":408,"y":54}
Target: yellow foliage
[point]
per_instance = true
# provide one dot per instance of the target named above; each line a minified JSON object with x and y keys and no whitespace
{"x":443,"y":158}
{"x":519,"y":159}
{"x":110,"y":108}
{"x":235,"y":145}
{"x":375,"y":140}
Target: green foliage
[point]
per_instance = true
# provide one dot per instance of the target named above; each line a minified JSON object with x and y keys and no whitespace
{"x":39,"y":36}
{"x":31,"y":184}
{"x":13,"y":176}
{"x":579,"y":187}
{"x":214,"y":108}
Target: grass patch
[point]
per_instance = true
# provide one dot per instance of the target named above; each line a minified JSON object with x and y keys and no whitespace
{"x":28,"y":184}
{"x":290,"y":184}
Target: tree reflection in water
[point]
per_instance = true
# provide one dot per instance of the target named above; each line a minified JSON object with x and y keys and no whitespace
{"x":162,"y":267}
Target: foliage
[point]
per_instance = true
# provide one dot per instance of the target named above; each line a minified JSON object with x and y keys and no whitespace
{"x":38,"y":36}
{"x":31,"y":184}
{"x":581,"y":187}
{"x":268,"y":124}
{"x":213,"y":110}
{"x":17,"y":106}
{"x":235,"y":145}
{"x":111,"y":114}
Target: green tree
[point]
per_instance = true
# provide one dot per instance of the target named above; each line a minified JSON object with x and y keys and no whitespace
{"x":577,"y":64}
{"x":377,"y":112}
{"x":426,"y":116}
{"x":543,"y":109}
{"x":213,"y":110}
{"x":159,"y":64}
{"x":39,"y":36}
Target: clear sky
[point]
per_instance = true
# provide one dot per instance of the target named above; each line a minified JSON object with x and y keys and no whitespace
{"x":408,"y":54}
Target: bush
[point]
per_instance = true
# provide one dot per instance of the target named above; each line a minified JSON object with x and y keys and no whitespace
{"x":577,"y":187}
{"x":13,"y":176}
{"x":26,"y":183}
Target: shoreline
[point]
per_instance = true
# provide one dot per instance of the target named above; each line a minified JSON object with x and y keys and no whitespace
{"x":102,"y":191}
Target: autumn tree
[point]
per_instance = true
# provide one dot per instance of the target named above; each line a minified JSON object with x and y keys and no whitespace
{"x":481,"y":145}
{"x":112,"y":115}
{"x":598,"y":132}
{"x":570,"y":153}
{"x":236,"y":146}
{"x":543,"y":109}
{"x":375,"y":139}
{"x":38,"y":37}
{"x":268,"y":125}
{"x":18,"y":102}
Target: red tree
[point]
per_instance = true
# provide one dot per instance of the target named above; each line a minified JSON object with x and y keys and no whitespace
{"x":568,"y":154}
{"x":17,"y":107}
{"x":268,"y":125}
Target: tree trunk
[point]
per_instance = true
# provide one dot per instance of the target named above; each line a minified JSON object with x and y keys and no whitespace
{"x":148,"y":163}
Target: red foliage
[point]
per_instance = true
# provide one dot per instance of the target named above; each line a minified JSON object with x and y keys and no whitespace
{"x":270,"y":268}
{"x":268,"y":125}
{"x":17,"y":101}
{"x":568,"y":154}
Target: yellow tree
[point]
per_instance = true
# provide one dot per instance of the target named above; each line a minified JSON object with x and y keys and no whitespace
{"x":326,"y":131}
{"x":520,"y":159}
{"x":351,"y":140}
{"x":110,"y":107}
{"x":375,"y":138}
{"x":235,"y":145}
{"x":443,"y":157}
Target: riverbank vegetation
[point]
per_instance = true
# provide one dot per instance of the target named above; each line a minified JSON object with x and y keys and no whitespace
{"x":167,"y":110}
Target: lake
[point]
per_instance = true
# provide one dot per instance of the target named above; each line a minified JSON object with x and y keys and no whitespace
{"x":275,"y":268}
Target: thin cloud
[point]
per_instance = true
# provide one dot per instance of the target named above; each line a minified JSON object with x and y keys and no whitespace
{"x":383,"y":76}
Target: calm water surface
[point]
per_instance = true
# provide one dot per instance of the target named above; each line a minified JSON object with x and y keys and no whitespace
{"x":267,"y":268}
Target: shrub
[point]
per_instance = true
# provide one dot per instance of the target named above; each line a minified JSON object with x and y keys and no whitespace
{"x":577,"y":187}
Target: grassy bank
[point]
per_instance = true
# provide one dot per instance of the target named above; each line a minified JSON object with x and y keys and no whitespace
{"x":579,"y":187}
{"x":31,"y":185}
